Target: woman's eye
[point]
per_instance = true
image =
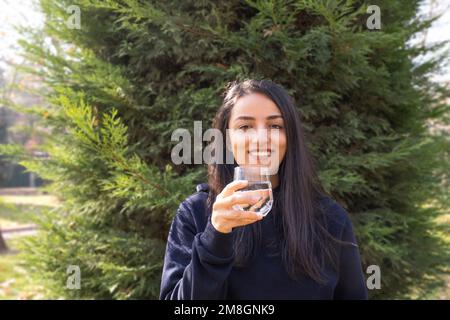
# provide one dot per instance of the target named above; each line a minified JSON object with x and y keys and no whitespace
{"x":244,"y":127}
{"x":275,"y":126}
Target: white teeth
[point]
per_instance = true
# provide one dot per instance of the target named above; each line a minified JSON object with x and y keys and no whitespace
{"x":261,"y":153}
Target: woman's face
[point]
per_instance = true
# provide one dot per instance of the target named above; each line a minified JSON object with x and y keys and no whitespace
{"x":257,"y":132}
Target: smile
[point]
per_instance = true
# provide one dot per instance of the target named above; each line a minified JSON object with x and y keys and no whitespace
{"x":256,"y":153}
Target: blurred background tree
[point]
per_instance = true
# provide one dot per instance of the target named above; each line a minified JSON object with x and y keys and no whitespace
{"x":135,"y":71}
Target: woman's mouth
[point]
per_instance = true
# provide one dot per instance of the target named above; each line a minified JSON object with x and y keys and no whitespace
{"x":260,"y":153}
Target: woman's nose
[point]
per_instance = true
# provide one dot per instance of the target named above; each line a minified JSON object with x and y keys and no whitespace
{"x":260,"y":137}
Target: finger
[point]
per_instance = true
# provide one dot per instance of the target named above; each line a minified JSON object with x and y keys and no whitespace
{"x":242,"y":215}
{"x":261,"y":194}
{"x":258,"y":192}
{"x":258,"y":204}
{"x":233,"y":187}
{"x":237,"y":198}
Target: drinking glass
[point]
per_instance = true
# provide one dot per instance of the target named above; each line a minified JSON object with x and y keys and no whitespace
{"x":258,"y":184}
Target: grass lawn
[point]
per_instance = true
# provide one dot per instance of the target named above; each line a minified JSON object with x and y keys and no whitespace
{"x":439,"y":288}
{"x":18,"y":210}
{"x":35,"y":200}
{"x":15,"y":215}
{"x":444,"y":292}
{"x":15,"y":282}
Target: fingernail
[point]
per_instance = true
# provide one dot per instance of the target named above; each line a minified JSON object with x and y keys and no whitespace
{"x":256,"y":198}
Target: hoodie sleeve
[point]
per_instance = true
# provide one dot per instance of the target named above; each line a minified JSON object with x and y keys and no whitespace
{"x":351,"y":284}
{"x":197,"y":263}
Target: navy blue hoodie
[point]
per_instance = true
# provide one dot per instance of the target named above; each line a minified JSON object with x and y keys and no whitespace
{"x":198,"y":263}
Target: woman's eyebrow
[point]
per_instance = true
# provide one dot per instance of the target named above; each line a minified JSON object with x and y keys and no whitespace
{"x":273,"y":116}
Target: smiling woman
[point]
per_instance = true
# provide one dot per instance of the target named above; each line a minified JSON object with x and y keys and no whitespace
{"x":303,"y":249}
{"x":257,"y":133}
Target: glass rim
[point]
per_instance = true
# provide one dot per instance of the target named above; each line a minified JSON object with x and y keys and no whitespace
{"x":266,"y":170}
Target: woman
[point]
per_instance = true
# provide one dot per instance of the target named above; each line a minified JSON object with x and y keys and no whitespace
{"x":303,"y":249}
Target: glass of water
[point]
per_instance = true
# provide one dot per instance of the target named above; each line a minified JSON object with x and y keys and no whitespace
{"x":258,"y":184}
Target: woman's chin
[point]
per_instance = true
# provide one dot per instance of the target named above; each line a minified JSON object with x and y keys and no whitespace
{"x":269,"y":163}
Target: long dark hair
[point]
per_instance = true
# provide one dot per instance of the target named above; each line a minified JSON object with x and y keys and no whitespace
{"x":305,"y":243}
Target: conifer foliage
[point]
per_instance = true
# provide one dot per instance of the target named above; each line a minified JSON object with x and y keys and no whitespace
{"x":137,"y":70}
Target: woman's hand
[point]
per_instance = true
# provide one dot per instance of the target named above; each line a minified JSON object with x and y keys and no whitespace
{"x":224,"y":218}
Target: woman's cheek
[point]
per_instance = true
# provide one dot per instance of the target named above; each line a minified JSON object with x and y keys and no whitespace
{"x":239,"y":148}
{"x":278,"y":139}
{"x":279,"y":145}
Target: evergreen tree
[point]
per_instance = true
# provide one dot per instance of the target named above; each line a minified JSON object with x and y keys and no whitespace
{"x":137,"y":70}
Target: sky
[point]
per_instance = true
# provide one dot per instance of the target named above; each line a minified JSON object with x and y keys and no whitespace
{"x":12,"y":13}
{"x":440,"y":30}
{"x":26,"y":13}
